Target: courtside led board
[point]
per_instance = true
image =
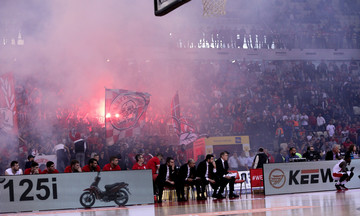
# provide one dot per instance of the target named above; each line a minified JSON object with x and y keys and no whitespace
{"x":163,"y":7}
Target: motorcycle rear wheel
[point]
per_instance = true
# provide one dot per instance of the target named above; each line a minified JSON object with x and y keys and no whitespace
{"x":121,"y":198}
{"x":87,"y":199}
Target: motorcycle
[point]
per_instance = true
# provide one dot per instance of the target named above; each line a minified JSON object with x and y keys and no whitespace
{"x":117,"y":192}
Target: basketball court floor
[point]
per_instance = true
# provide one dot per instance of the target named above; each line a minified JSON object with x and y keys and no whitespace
{"x":329,"y":203}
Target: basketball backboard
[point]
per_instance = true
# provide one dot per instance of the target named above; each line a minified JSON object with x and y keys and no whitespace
{"x":163,"y":7}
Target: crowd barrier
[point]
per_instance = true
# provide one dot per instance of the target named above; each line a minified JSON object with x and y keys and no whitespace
{"x":297,"y":177}
{"x":65,"y":190}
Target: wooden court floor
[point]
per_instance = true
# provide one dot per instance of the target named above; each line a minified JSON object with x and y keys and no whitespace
{"x":329,"y":203}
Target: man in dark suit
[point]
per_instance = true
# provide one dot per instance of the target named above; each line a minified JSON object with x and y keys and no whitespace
{"x":166,"y":177}
{"x":222,"y":167}
{"x":187,"y":175}
{"x":206,"y":174}
{"x":334,"y":154}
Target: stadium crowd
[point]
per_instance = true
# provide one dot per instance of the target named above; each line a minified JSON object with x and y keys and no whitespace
{"x":281,"y":105}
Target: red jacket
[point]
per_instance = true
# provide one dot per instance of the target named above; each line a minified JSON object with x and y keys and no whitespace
{"x":47,"y":172}
{"x":86,"y":168}
{"x":108,"y":167}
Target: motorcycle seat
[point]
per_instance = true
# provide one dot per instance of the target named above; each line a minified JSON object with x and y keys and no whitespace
{"x":110,"y":186}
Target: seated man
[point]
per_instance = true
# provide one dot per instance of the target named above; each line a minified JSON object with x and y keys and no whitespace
{"x":113,"y":165}
{"x":166,"y":177}
{"x":50,"y":168}
{"x":139,"y":165}
{"x":292,"y":155}
{"x":222,"y":167}
{"x":92,"y":166}
{"x":334,"y":154}
{"x":311,"y":154}
{"x":14,"y":169}
{"x":73,"y":167}
{"x":34,"y":169}
{"x":206,"y":172}
{"x":187,"y":175}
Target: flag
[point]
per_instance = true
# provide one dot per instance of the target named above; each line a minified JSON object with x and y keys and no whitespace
{"x":8,"y":122}
{"x":125,"y":113}
{"x":175,"y":114}
{"x":183,"y":126}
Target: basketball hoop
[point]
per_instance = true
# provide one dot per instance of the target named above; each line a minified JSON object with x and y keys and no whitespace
{"x":214,"y":7}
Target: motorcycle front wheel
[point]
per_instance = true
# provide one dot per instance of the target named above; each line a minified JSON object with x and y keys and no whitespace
{"x":121,"y":198}
{"x":87,"y":199}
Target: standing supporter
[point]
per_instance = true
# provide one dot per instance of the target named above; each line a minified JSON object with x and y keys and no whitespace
{"x":347,"y":144}
{"x":92,"y":166}
{"x":304,"y":119}
{"x":147,"y":156}
{"x":139,"y":165}
{"x":29,"y":162}
{"x":234,"y":162}
{"x":312,"y":121}
{"x":113,"y":165}
{"x":79,"y":147}
{"x":33,"y":170}
{"x":73,"y":167}
{"x":260,"y":159}
{"x":50,"y":168}
{"x":330,"y":128}
{"x":62,"y":155}
{"x":14,"y":169}
{"x":154,"y":164}
{"x":320,"y":122}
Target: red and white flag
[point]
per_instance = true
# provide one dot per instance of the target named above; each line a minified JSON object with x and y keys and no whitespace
{"x":8,"y":122}
{"x":125,"y":113}
{"x":183,"y":126}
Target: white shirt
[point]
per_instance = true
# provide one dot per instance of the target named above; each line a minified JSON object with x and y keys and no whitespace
{"x":304,"y":120}
{"x":243,"y":161}
{"x":167,"y":173}
{"x":320,"y":120}
{"x":9,"y":172}
{"x":330,"y":129}
{"x":233,"y":163}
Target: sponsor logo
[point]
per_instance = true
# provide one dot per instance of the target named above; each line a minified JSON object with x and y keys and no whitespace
{"x":237,"y":139}
{"x":277,"y":178}
{"x":310,"y":176}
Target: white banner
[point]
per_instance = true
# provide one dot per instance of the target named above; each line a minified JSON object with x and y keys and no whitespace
{"x":75,"y":190}
{"x":296,"y":177}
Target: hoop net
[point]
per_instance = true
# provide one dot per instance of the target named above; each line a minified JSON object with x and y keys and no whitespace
{"x":214,"y":7}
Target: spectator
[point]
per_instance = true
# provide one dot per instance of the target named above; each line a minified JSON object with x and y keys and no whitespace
{"x":166,"y":177}
{"x":139,"y":165}
{"x":34,"y":169}
{"x":73,"y":167}
{"x":292,"y":155}
{"x":14,"y":169}
{"x":260,"y":159}
{"x":92,"y":166}
{"x":50,"y":168}
{"x":311,"y":154}
{"x":113,"y":165}
{"x":29,"y":162}
{"x":334,"y":154}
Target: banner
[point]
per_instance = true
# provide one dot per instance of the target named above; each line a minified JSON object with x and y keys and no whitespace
{"x":297,"y":177}
{"x":75,"y":190}
{"x":183,"y":126}
{"x":125,"y":113}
